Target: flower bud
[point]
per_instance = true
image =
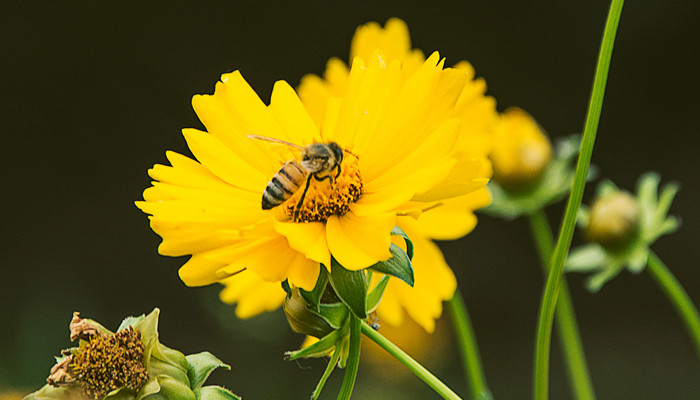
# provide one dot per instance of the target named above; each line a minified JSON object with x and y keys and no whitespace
{"x":614,"y":220}
{"x":521,"y":151}
{"x":303,"y":320}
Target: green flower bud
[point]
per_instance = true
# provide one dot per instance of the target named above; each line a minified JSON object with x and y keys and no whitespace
{"x":302,"y":319}
{"x":614,"y":221}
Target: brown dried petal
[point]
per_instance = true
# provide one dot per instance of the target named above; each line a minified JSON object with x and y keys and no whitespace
{"x":59,"y":373}
{"x":81,"y":329}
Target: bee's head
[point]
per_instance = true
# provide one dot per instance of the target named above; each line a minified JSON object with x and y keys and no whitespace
{"x":337,"y":151}
{"x":318,"y":157}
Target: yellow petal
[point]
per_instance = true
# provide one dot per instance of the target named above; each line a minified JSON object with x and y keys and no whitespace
{"x":394,"y":40}
{"x":454,"y":218}
{"x":223,"y":162}
{"x":199,"y":271}
{"x":223,"y":120}
{"x":252,"y":294}
{"x":303,"y":272}
{"x":314,"y":93}
{"x":359,"y":242}
{"x":292,"y":116}
{"x":307,"y":238}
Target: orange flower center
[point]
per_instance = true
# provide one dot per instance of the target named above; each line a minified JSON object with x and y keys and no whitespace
{"x":326,"y":197}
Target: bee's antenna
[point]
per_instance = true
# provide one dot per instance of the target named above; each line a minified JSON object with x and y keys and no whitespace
{"x":351,"y":153}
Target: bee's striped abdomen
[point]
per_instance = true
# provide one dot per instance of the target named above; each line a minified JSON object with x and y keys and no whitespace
{"x":283,"y":185}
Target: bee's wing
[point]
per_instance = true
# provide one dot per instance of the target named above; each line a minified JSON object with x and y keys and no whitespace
{"x":273,"y":140}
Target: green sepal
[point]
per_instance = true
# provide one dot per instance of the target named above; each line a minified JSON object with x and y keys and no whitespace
{"x":166,"y":388}
{"x":351,"y":288}
{"x":399,"y":265}
{"x":200,"y":365}
{"x":319,"y":349}
{"x":166,"y":361}
{"x":409,"y":244}
{"x":123,"y":393}
{"x":287,"y":289}
{"x":335,"y":314}
{"x":48,"y":392}
{"x":214,"y":393}
{"x":313,"y":298}
{"x":375,"y":295}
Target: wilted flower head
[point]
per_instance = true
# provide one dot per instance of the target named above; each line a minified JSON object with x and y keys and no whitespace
{"x":131,"y":363}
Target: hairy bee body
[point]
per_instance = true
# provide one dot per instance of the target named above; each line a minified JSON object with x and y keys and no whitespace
{"x":284,"y":184}
{"x":318,"y":161}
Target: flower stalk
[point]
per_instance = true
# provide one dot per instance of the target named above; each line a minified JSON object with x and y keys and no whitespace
{"x":678,"y":297}
{"x":437,"y":385}
{"x":470,"y":351}
{"x":569,"y":335}
{"x":553,"y":285}
{"x":353,"y":359}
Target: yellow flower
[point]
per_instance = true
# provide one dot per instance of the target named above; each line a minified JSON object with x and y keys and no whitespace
{"x":521,"y":151}
{"x":395,"y":146}
{"x":454,"y":217}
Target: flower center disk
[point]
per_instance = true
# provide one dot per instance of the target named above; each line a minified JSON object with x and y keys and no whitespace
{"x":325,"y":198}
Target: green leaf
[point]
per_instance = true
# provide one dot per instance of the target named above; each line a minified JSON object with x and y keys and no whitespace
{"x":313,"y":297}
{"x":375,"y":295}
{"x":586,"y":258}
{"x":214,"y":393}
{"x":148,"y":326}
{"x":409,"y":244}
{"x":166,"y":388}
{"x":166,"y":361}
{"x":200,"y":365}
{"x":399,"y":265}
{"x":123,"y":393}
{"x":319,"y":349}
{"x":48,"y":392}
{"x":335,"y":314}
{"x":351,"y":288}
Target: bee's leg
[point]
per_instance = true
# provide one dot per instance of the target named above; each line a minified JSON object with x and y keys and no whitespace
{"x":338,"y":174}
{"x":297,"y":208}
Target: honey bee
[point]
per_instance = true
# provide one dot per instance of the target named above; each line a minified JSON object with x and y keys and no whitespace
{"x":318,"y":161}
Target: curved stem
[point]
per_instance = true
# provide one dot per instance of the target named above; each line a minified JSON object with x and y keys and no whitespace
{"x":420,"y":371}
{"x":678,"y":297}
{"x":470,"y":351}
{"x":567,"y":327}
{"x":331,"y":366}
{"x":551,"y":291}
{"x":353,"y":359}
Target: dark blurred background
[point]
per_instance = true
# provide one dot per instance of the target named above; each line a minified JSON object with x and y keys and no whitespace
{"x":92,"y":94}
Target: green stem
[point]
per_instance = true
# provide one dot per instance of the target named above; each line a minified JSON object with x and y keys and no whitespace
{"x":331,"y":366}
{"x":551,"y":291}
{"x":567,"y":327}
{"x":420,"y":371}
{"x":353,"y":359}
{"x":677,"y":296}
{"x":470,"y":351}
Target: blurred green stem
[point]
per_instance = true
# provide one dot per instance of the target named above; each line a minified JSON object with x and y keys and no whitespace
{"x":567,"y":327}
{"x":678,"y":297}
{"x":420,"y":371}
{"x":353,"y":359}
{"x":331,"y":366}
{"x":469,"y":349}
{"x":552,"y":287}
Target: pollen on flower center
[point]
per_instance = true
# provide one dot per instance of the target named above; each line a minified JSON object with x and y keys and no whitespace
{"x":325,"y":198}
